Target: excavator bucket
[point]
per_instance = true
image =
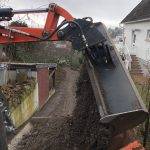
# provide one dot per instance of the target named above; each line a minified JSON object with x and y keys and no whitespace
{"x":117,"y":98}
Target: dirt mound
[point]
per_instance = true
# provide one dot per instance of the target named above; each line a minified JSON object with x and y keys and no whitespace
{"x":81,"y":131}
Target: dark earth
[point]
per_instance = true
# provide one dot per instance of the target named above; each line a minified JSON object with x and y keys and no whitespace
{"x":80,"y":131}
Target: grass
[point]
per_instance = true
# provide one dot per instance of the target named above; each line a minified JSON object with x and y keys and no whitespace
{"x":144,"y":91}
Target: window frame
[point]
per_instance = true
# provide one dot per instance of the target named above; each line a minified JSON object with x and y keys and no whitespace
{"x":148,"y":34}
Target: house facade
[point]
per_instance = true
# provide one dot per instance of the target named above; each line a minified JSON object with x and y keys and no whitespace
{"x":137,"y":31}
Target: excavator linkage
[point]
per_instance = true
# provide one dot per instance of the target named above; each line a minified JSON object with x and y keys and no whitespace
{"x":117,"y":98}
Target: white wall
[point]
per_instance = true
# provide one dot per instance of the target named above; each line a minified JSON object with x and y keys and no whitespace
{"x":142,"y":46}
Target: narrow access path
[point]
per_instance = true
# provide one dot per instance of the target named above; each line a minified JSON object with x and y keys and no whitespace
{"x":62,"y":103}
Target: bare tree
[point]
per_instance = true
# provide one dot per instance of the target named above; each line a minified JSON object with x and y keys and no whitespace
{"x":3,"y":3}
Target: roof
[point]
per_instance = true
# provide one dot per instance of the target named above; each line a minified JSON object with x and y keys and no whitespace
{"x":140,"y":12}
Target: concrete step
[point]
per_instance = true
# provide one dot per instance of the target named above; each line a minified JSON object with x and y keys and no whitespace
{"x":135,"y":60}
{"x":133,"y":56}
{"x":135,"y":67}
{"x":136,"y":72}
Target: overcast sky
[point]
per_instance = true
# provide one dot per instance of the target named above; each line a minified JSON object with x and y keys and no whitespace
{"x":111,"y":12}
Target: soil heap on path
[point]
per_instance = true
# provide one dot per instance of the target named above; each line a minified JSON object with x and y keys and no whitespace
{"x":78,"y":132}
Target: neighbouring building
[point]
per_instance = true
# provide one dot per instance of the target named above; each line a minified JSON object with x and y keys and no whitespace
{"x":137,"y":31}
{"x":27,"y":87}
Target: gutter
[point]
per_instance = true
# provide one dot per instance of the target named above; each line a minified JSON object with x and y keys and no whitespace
{"x":141,"y":20}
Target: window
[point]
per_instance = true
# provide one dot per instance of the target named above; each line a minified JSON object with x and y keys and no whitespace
{"x":133,"y":37}
{"x":148,"y":34}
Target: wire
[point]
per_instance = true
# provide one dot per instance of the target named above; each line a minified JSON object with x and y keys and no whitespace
{"x":42,"y":5}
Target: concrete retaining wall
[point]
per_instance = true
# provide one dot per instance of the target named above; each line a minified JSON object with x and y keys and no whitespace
{"x":26,"y":109}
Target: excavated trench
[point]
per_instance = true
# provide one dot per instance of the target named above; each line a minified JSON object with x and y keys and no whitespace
{"x":81,"y":131}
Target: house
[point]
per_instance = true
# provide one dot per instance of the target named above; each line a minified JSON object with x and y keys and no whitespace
{"x":137,"y":31}
{"x":26,"y":88}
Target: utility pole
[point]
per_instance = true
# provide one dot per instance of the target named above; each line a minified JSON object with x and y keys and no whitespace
{"x":3,"y":137}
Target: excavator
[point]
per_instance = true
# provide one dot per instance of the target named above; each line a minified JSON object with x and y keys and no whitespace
{"x":117,"y":98}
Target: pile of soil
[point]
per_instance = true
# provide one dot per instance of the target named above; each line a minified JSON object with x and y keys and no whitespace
{"x":82,"y":130}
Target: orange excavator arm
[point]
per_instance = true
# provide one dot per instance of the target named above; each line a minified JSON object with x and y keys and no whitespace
{"x":135,"y":145}
{"x":25,"y":34}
